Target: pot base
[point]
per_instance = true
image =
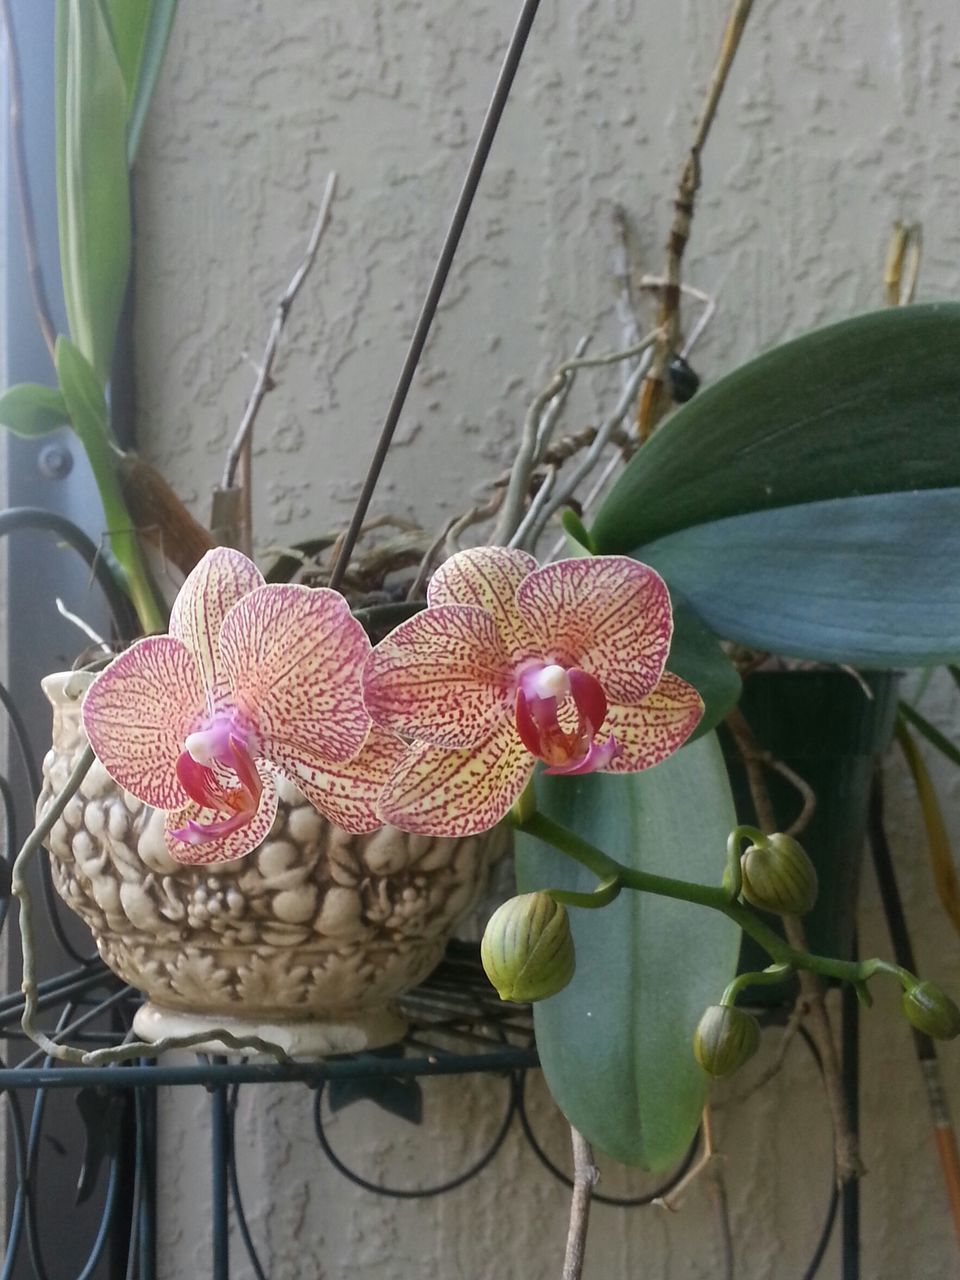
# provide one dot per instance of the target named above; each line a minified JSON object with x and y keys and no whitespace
{"x":304,"y":1039}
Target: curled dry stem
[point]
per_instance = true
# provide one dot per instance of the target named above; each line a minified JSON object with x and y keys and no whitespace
{"x":50,"y":1046}
{"x":534,"y":439}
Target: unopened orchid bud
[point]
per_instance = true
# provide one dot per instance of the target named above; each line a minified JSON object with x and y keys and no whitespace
{"x":527,"y":948}
{"x":778,"y":876}
{"x":931,"y":1011}
{"x":725,"y":1038}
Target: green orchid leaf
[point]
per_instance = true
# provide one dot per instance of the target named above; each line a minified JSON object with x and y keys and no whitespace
{"x":140,"y":30}
{"x":697,"y":657}
{"x":83,"y":396}
{"x":869,"y":581}
{"x":93,"y":192}
{"x":871,"y":405}
{"x":32,"y":410}
{"x":616,"y":1044}
{"x":938,"y":740}
{"x":577,"y":535}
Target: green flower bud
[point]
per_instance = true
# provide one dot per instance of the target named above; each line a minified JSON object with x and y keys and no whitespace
{"x":932,"y":1011}
{"x":779,"y":876}
{"x":725,"y":1038}
{"x":527,"y":948}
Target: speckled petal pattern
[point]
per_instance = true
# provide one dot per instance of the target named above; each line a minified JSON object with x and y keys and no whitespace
{"x":348,"y":793}
{"x":656,"y":727}
{"x":293,"y":656}
{"x":137,"y":714}
{"x":210,"y":591}
{"x":234,"y":845}
{"x":458,"y":793}
{"x":441,"y":676}
{"x":487,"y":577}
{"x":609,"y":615}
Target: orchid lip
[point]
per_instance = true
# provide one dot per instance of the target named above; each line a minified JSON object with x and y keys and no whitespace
{"x":218,"y":744}
{"x":541,"y":691}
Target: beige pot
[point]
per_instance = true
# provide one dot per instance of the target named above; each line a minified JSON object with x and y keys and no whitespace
{"x":304,"y":942}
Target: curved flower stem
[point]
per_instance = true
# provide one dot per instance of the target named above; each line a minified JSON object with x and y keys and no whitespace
{"x":607,"y":869}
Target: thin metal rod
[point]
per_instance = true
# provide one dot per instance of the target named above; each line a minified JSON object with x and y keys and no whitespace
{"x":488,"y":131}
{"x":147,"y":1208}
{"x":220,"y":1207}
{"x":250,"y":1073}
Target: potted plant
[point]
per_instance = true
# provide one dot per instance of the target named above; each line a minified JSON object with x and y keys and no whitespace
{"x":780,"y":510}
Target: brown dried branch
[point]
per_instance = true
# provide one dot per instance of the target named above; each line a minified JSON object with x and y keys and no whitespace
{"x":651,"y":401}
{"x":585,"y":1178}
{"x":238,"y":461}
{"x":899,"y":290}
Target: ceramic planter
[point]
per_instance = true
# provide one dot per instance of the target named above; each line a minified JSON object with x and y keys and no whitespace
{"x":303,"y":942}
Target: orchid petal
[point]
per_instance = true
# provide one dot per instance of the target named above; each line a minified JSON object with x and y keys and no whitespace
{"x":457,"y":793}
{"x":221,"y":578}
{"x":137,"y":714}
{"x":442,"y":676}
{"x":293,"y":657}
{"x":348,"y":793}
{"x":487,"y":577}
{"x":656,"y":727}
{"x":609,"y":615}
{"x":222,"y":848}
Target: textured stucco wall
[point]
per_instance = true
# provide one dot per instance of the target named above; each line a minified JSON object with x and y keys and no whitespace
{"x":838,"y":119}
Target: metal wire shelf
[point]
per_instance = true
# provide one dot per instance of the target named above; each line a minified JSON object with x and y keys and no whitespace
{"x":457,"y":1025}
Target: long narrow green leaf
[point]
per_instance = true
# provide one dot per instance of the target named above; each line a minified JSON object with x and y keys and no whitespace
{"x":869,"y":581}
{"x":938,"y":842}
{"x":85,"y":401}
{"x":93,"y":193}
{"x":128,"y":21}
{"x":141,"y":29}
{"x":616,"y":1044}
{"x":932,"y":734}
{"x":871,"y":405}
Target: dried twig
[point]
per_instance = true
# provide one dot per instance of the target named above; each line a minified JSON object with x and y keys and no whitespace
{"x":899,"y":290}
{"x":238,"y":455}
{"x":650,"y":406}
{"x":585,"y":1178}
{"x":22,"y":179}
{"x":846,"y":1151}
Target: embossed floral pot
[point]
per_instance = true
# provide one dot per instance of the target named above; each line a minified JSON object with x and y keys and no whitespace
{"x":304,"y":942}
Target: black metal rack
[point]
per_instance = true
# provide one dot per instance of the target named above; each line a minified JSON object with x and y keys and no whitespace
{"x":457,"y":1027}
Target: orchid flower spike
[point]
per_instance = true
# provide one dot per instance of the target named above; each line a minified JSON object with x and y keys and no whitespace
{"x":252,"y":681}
{"x":511,"y":664}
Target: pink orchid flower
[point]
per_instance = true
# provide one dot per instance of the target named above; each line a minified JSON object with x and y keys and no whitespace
{"x":511,"y":664}
{"x":252,"y":681}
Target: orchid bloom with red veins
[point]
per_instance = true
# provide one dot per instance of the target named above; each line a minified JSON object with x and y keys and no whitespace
{"x":511,"y":664}
{"x":252,"y":681}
